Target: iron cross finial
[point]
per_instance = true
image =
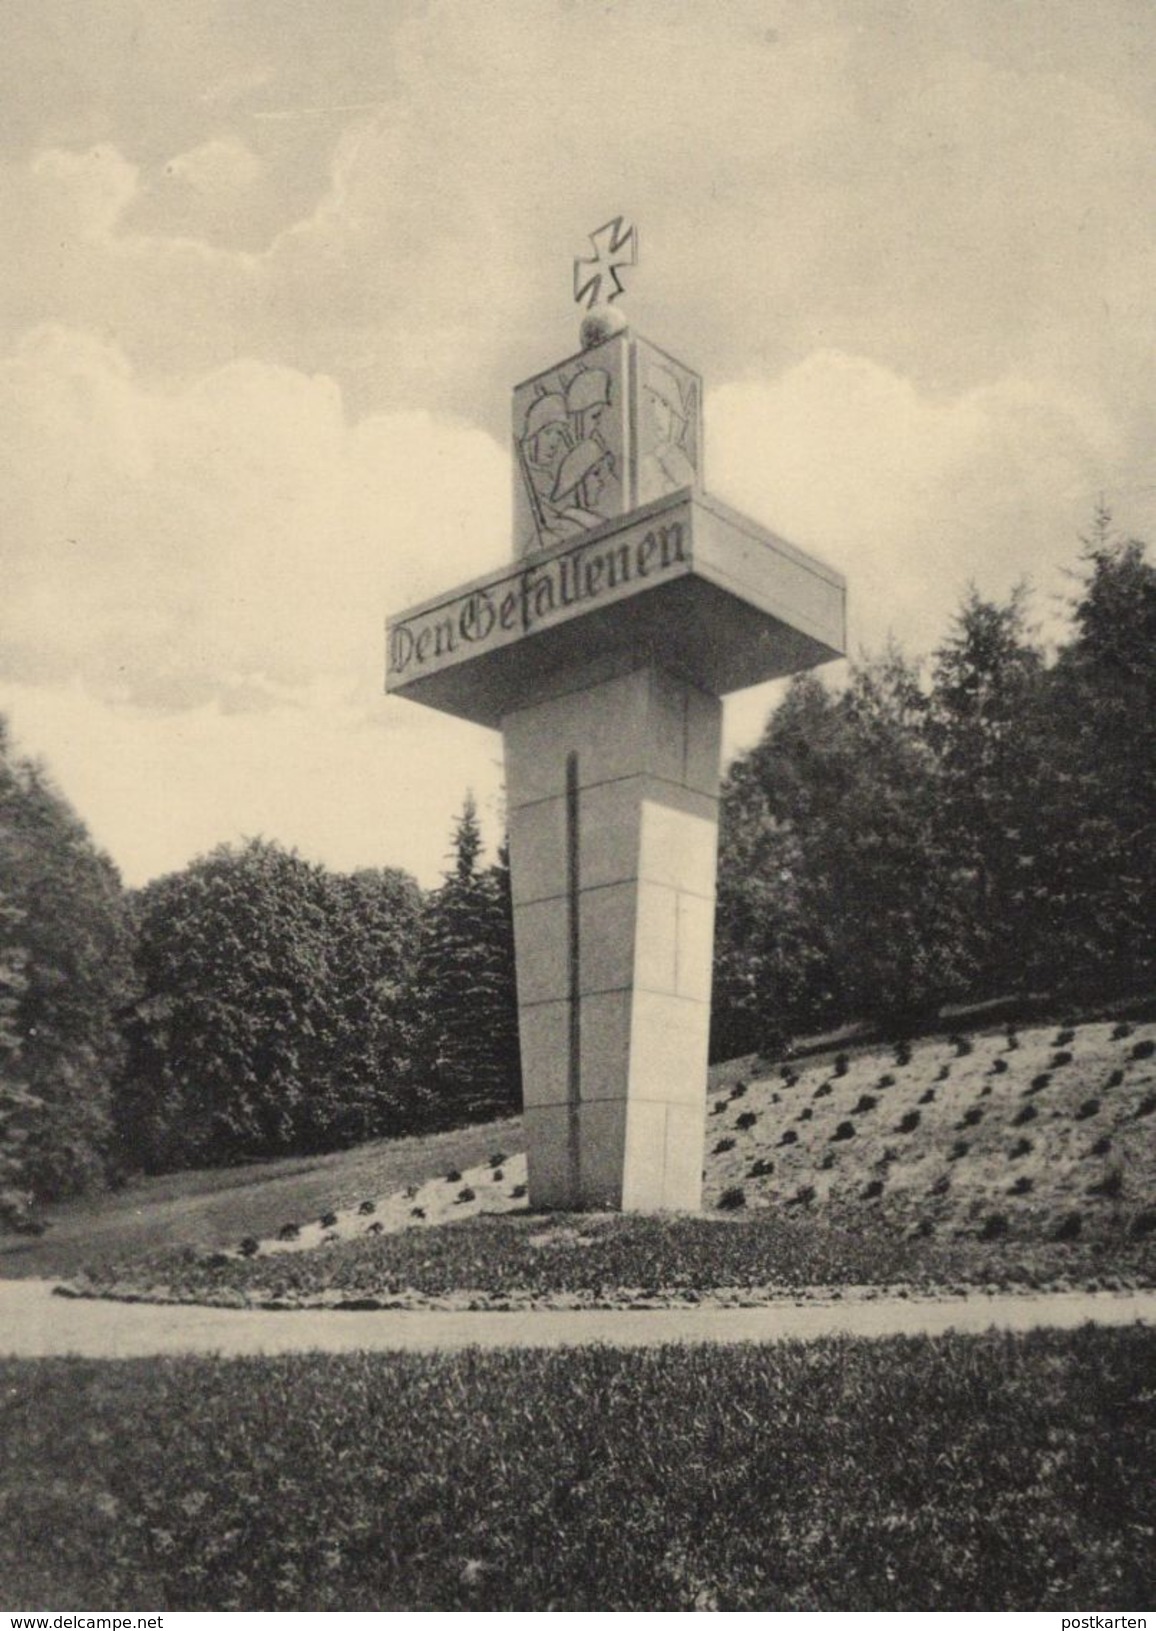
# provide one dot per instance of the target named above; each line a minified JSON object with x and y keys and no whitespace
{"x":615,"y":245}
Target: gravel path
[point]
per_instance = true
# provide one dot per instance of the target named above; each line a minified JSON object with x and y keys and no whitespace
{"x":36,"y":1324}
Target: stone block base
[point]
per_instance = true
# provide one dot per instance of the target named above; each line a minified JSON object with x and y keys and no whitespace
{"x":612,"y":785}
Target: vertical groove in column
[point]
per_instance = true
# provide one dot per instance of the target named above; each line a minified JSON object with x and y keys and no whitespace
{"x":574,"y":1039}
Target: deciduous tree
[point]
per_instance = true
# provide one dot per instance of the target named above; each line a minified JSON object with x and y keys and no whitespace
{"x":64,"y":977}
{"x":271,"y":1014}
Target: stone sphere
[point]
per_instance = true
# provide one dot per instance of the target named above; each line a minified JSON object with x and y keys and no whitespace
{"x":603,"y":323}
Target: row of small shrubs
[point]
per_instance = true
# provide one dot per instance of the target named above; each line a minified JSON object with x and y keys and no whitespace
{"x":328,"y":1220}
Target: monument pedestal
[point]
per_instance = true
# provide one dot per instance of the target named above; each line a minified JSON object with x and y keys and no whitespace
{"x":612,"y":786}
{"x":602,"y":661}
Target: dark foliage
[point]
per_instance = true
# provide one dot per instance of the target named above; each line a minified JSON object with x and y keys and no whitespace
{"x":64,"y":978}
{"x":271,"y":1014}
{"x":467,"y":1046}
{"x":893,"y":848}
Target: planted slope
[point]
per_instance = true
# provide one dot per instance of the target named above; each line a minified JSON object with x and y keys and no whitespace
{"x":980,"y":1159}
{"x":1037,"y":1134}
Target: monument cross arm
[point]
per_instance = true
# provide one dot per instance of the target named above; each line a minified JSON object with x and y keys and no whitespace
{"x":615,"y":246}
{"x":634,"y":603}
{"x":726,"y":603}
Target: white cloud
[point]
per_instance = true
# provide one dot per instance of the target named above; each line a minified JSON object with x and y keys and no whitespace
{"x":93,"y":187}
{"x":911,"y":252}
{"x":195,"y":586}
{"x":800,"y":184}
{"x":911,"y":495}
{"x":199,"y":578}
{"x":233,"y":534}
{"x":223,"y":165}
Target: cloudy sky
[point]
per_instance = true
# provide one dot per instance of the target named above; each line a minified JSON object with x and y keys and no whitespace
{"x":270,"y":268}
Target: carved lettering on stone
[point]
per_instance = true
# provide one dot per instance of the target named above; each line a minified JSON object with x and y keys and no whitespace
{"x":537,"y":596}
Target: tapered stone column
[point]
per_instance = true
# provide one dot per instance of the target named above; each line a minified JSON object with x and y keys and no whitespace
{"x":612,"y":786}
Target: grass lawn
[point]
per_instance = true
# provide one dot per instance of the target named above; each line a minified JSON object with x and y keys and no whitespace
{"x":911,"y":1474}
{"x":211,"y":1209}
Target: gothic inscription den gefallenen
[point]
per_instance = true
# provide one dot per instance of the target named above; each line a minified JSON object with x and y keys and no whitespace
{"x":535,"y":596}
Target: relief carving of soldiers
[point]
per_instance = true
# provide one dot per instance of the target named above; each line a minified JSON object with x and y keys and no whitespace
{"x":666,"y":465}
{"x":546,"y":442}
{"x":587,"y":399}
{"x":586,"y":472}
{"x":566,"y":464}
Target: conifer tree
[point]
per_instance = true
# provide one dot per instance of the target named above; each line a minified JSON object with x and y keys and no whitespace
{"x":1097,"y":877}
{"x":468,"y":1052}
{"x":985,"y":726}
{"x":773,"y":968}
{"x":836,"y":894}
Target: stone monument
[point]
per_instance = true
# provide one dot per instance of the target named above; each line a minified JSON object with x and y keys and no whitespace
{"x":634,"y":603}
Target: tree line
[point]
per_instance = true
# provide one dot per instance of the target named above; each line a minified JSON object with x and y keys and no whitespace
{"x":975,"y":827}
{"x":252,"y":1004}
{"x":978,"y":825}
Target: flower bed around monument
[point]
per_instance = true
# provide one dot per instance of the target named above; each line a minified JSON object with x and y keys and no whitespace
{"x":608,"y":1260}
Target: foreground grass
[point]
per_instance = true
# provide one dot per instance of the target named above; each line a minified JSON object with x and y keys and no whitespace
{"x":955,"y":1473}
{"x":615,"y":1258}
